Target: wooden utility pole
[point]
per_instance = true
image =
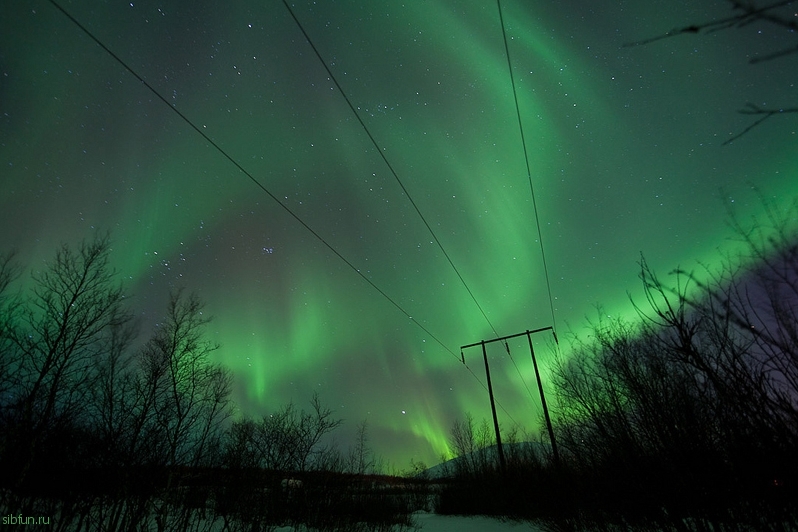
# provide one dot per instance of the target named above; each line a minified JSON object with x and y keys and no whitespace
{"x":549,"y":426}
{"x":502,"y":463}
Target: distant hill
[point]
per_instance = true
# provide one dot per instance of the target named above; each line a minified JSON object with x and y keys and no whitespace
{"x":491,"y":455}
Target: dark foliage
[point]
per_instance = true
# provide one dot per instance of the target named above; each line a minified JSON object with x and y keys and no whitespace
{"x":684,"y":420}
{"x":98,"y":435}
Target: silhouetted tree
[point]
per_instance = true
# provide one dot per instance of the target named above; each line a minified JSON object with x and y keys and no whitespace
{"x":241,"y":451}
{"x":101,"y":436}
{"x":470,"y":444}
{"x":189,"y":396}
{"x":9,"y":308}
{"x":361,"y":458}
{"x":286,"y":440}
{"x":693,"y":408}
{"x":56,"y":337}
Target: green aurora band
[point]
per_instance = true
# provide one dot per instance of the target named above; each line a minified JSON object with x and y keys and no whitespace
{"x":624,"y":145}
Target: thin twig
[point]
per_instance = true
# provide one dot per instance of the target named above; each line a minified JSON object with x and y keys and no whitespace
{"x":752,"y":109}
{"x":750,"y":14}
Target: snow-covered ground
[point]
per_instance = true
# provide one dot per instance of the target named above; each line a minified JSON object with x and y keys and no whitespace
{"x":429,"y":522}
{"x":453,"y":523}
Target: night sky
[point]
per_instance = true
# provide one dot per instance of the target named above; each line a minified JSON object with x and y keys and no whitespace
{"x":624,"y":146}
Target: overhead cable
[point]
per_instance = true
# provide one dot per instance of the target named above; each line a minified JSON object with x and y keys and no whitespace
{"x":528,"y":169}
{"x":227,"y":156}
{"x":380,"y":151}
{"x":257,"y":183}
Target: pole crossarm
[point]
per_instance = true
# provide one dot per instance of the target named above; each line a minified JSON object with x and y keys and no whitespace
{"x":549,"y":328}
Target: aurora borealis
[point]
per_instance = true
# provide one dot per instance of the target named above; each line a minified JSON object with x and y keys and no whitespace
{"x":624,"y":145}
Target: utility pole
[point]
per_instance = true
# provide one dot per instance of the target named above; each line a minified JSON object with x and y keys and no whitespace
{"x":549,"y":426}
{"x":502,"y":463}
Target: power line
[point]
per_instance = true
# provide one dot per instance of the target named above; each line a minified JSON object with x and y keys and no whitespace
{"x":526,"y":160}
{"x":249,"y":175}
{"x":388,"y":164}
{"x":517,"y":370}
{"x":257,"y":183}
{"x":484,"y":387}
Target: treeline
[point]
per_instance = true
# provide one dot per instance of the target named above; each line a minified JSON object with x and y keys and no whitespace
{"x":102,"y":431}
{"x":686,"y":419}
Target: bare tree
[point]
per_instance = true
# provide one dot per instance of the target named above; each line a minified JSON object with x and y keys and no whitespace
{"x":699,"y":393}
{"x":361,"y":459}
{"x":755,"y":296}
{"x":187,"y":395}
{"x":9,"y":308}
{"x":241,"y":451}
{"x":291,"y":439}
{"x":58,"y":335}
{"x":76,"y":398}
{"x":470,"y":444}
{"x":177,"y":403}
